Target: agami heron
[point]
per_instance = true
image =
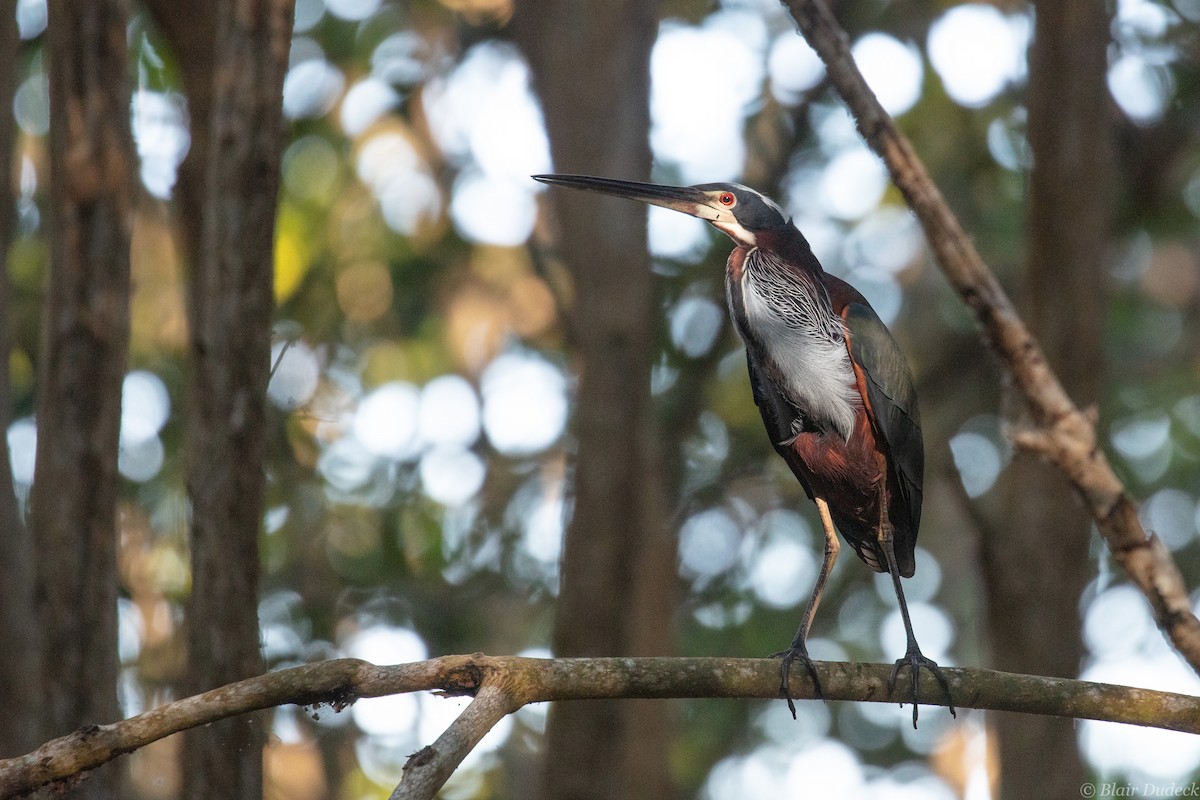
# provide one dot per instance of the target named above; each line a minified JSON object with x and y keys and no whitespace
{"x":834,"y":390}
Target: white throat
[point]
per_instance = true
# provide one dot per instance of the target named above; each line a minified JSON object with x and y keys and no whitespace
{"x":805,"y":344}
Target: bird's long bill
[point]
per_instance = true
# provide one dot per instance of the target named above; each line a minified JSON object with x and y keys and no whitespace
{"x":677,"y":198}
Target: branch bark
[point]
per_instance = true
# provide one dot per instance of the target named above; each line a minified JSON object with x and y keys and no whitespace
{"x":428,"y":769}
{"x":503,"y":684}
{"x":1062,"y":433}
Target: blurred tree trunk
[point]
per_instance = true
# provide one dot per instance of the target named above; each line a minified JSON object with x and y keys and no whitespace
{"x":20,"y":657}
{"x":189,"y":27}
{"x":234,"y":59}
{"x":84,"y":346}
{"x":590,"y":64}
{"x":1037,"y":569}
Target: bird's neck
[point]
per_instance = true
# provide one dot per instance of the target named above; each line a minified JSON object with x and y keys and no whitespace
{"x":789,"y":247}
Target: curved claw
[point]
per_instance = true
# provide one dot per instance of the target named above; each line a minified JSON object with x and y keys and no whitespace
{"x":914,"y":659}
{"x":797,"y":652}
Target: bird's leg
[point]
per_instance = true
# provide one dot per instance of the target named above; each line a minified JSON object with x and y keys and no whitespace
{"x":798,"y":650}
{"x":913,"y":658}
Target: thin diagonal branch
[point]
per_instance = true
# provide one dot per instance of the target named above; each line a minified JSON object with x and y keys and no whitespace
{"x":1066,"y":436}
{"x":428,"y":769}
{"x":511,"y":682}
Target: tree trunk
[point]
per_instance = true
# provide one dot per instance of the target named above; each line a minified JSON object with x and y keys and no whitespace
{"x":1036,"y":571}
{"x":20,"y":658}
{"x":84,"y":347}
{"x":590,"y":64}
{"x":189,"y":27}
{"x":231,"y":305}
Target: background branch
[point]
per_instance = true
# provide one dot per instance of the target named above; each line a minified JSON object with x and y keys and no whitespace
{"x":504,"y":684}
{"x":1067,"y":436}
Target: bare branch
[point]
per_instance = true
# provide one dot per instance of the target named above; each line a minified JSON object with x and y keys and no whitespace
{"x":429,"y":768}
{"x":504,"y":684}
{"x":1067,"y":437}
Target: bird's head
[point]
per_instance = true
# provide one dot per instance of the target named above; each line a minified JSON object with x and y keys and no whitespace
{"x":739,"y":212}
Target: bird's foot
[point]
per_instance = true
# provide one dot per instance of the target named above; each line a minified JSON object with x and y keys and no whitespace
{"x":914,"y":660}
{"x":797,"y":652}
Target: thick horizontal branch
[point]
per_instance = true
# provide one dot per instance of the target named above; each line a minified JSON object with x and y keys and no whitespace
{"x":513,"y":682}
{"x":1064,"y":435}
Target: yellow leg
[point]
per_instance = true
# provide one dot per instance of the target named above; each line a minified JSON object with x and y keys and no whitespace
{"x":832,"y":548}
{"x":798,"y":651}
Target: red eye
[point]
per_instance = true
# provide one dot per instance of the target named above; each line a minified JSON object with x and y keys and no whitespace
{"x":727,"y":199}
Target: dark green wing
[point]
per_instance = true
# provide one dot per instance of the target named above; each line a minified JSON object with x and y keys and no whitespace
{"x":893,"y":410}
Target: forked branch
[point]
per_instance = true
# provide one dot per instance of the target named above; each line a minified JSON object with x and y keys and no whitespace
{"x":1062,"y":433}
{"x":502,"y":685}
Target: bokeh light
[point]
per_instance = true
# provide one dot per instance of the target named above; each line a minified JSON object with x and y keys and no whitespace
{"x":160,"y":131}
{"x":493,"y":210}
{"x":977,"y":52}
{"x":1007,"y":143}
{"x":31,"y":18}
{"x":524,"y":403}
{"x":677,"y":236}
{"x":881,"y":290}
{"x":794,"y":67}
{"x":437,"y":713}
{"x":783,"y":573}
{"x":145,"y":406}
{"x":353,"y":10}
{"x":695,"y":323}
{"x":1171,"y":515}
{"x":852,"y":184}
{"x":449,"y":411}
{"x":484,"y":115}
{"x":310,"y":168}
{"x":892,"y":69}
{"x":888,"y":239}
{"x":703,"y":79}
{"x":922,"y":587}
{"x":386,"y":421}
{"x":708,"y":544}
{"x":31,"y":105}
{"x":543,"y":530}
{"x":1142,"y":436}
{"x":1142,"y":89}
{"x":977,"y":460}
{"x":308,"y":13}
{"x":451,"y":475}
{"x":311,"y":88}
{"x":933,"y":628}
{"x":139,"y":461}
{"x":145,"y":409}
{"x":296,"y":377}
{"x":365,"y":102}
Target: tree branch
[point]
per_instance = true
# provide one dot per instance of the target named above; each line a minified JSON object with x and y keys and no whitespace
{"x":1065,"y":436}
{"x":428,"y":769}
{"x":503,"y":684}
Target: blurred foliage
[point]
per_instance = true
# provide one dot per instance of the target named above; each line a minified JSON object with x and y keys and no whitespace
{"x":405,"y":521}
